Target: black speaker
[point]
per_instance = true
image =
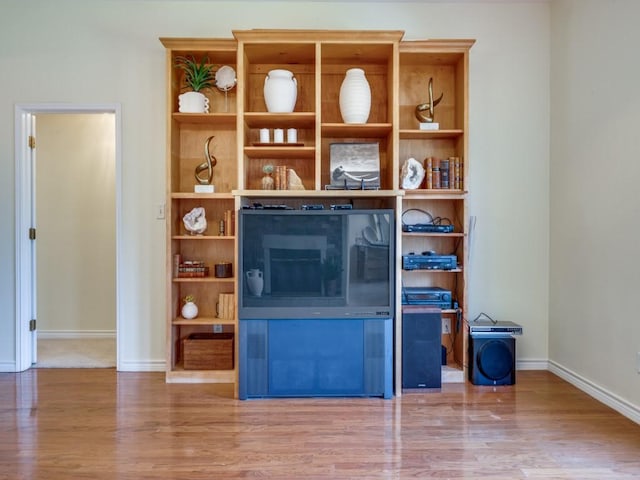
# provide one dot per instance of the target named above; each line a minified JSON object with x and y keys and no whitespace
{"x":421,"y":347}
{"x":492,"y":359}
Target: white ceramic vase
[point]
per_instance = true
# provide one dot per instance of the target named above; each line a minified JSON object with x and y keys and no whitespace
{"x":355,"y":97}
{"x":280,"y":91}
{"x":189,"y":310}
{"x":255,"y":282}
{"x":193,"y":102}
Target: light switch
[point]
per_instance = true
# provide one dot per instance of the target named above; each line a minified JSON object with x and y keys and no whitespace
{"x":160,"y":211}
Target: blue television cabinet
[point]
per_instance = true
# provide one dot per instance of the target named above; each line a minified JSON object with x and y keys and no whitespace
{"x":316,"y":358}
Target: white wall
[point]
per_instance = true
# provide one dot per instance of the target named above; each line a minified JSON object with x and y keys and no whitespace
{"x":75,"y":218}
{"x":595,"y":216}
{"x":108,"y":52}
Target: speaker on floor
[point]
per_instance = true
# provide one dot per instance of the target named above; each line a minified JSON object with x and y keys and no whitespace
{"x":421,"y":347}
{"x":492,"y":359}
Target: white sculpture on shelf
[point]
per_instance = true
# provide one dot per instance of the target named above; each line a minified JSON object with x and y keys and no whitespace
{"x":412,"y":174}
{"x":294,"y":182}
{"x":195,"y":222}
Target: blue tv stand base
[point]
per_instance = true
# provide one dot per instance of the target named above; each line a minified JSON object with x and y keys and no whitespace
{"x":316,"y":358}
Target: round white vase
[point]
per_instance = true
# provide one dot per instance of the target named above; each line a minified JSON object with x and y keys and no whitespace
{"x":280,"y":91}
{"x":189,"y":310}
{"x":355,"y":97}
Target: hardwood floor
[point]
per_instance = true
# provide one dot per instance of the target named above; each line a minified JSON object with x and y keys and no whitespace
{"x":99,"y":424}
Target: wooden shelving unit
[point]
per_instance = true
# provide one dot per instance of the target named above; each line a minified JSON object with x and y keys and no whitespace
{"x":398,"y":72}
{"x":186,"y":136}
{"x":447,"y":63}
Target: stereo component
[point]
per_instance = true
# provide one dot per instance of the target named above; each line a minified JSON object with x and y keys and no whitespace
{"x":433,"y":296}
{"x":489,"y":326}
{"x":427,"y":228}
{"x":430,"y":261}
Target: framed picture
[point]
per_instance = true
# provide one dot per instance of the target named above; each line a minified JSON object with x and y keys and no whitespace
{"x":354,"y":166}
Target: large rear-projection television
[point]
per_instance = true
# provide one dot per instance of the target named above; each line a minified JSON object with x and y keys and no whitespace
{"x":316,"y":263}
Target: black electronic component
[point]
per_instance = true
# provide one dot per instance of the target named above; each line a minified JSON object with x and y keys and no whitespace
{"x":429,"y":261}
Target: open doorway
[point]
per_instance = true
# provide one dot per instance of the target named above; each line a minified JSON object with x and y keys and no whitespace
{"x":76,"y":240}
{"x":68,"y":189}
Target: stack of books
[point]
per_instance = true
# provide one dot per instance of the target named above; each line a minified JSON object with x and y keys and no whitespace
{"x":192,"y":269}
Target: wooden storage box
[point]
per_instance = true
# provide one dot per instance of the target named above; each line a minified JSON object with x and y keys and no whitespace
{"x":208,"y":351}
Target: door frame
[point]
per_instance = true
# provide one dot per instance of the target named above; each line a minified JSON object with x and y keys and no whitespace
{"x":25,"y":340}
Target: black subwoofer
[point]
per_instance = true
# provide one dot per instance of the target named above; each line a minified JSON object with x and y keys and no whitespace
{"x":492,"y":359}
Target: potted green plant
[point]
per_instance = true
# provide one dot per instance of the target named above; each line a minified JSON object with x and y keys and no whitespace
{"x":198,"y":76}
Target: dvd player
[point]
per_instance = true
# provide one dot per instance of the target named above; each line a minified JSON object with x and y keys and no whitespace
{"x":427,"y":228}
{"x":430,"y":261}
{"x":488,"y":326}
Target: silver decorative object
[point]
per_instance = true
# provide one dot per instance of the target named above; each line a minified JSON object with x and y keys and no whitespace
{"x":225,"y":81}
{"x":425,"y":111}
{"x":207,"y":165}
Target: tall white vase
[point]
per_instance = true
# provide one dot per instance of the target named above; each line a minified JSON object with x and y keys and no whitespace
{"x":280,"y":91}
{"x":355,"y":97}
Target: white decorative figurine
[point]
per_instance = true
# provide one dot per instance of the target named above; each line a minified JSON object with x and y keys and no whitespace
{"x":412,"y":174}
{"x":294,"y":182}
{"x":195,"y":221}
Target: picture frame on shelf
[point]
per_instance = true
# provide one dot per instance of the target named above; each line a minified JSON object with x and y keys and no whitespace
{"x":354,"y":166}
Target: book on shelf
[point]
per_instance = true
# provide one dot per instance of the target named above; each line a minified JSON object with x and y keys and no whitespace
{"x":443,"y":173}
{"x":428,"y":166}
{"x":229,"y":223}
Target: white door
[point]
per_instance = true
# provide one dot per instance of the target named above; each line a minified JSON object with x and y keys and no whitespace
{"x":28,"y":276}
{"x":76,"y":247}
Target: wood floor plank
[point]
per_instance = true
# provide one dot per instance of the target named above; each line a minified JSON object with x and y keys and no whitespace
{"x":100,"y":424}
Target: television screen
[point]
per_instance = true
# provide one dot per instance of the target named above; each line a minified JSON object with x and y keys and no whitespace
{"x":316,"y":263}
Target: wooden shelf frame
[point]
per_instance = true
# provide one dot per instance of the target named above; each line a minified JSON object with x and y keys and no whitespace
{"x":397,"y":71}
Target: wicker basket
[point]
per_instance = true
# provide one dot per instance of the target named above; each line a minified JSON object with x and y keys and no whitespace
{"x":208,"y":351}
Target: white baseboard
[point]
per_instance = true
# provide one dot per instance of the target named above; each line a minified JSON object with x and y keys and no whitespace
{"x":148,"y":366}
{"x":8,"y":367}
{"x":532,"y":364}
{"x":610,"y":399}
{"x":73,"y":334}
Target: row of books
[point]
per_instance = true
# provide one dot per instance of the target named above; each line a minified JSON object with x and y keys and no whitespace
{"x":226,"y":306}
{"x":280,"y":178}
{"x":443,"y":173}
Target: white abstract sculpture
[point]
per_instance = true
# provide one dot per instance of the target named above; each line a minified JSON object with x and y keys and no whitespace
{"x":294,"y":182}
{"x":195,"y":221}
{"x":412,"y":174}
